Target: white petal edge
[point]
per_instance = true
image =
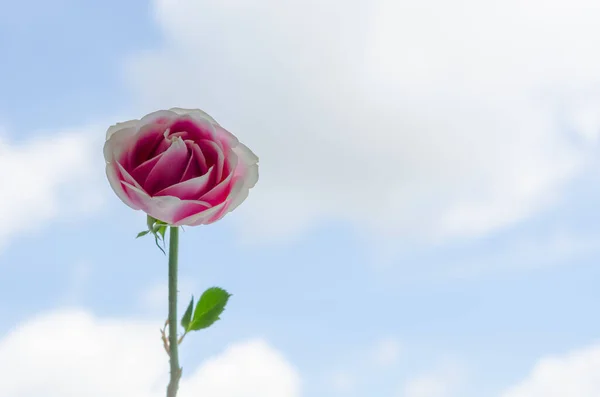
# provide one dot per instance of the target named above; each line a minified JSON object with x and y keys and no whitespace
{"x":194,"y":112}
{"x":152,"y":117}
{"x":165,"y":207}
{"x":201,"y":217}
{"x":117,"y":187}
{"x":239,"y":194}
{"x":248,"y":160}
{"x":120,"y":126}
{"x":246,"y":155}
{"x":118,"y":142}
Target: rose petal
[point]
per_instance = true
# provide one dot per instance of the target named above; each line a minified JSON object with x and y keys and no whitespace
{"x":121,"y":126}
{"x":219,"y":193}
{"x":141,"y":172}
{"x":225,"y":209}
{"x":214,"y":156}
{"x":192,"y":169}
{"x":114,"y":179}
{"x":148,"y":140}
{"x":199,"y":157}
{"x":162,"y":147}
{"x":192,"y":128}
{"x":193,"y":112}
{"x":245,"y":154}
{"x":160,"y":116}
{"x":245,"y":175}
{"x":119,"y":143}
{"x":191,"y":189}
{"x":227,"y":139}
{"x":231,"y":161}
{"x":163,"y":208}
{"x":242,"y":186}
{"x":169,"y":168}
{"x":196,"y":215}
{"x":224,"y":137}
{"x":126,"y":176}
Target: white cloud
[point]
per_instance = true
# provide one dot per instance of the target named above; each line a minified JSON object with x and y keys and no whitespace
{"x":426,"y":118}
{"x":444,"y":381}
{"x":569,"y":375}
{"x":50,"y":176}
{"x":73,"y":354}
{"x":253,"y":369}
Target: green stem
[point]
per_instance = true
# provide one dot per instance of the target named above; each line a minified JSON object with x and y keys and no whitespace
{"x":173,"y":322}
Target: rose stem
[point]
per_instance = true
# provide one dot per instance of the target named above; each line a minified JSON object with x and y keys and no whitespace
{"x":173,"y":345}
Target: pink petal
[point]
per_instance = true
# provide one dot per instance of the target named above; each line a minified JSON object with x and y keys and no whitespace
{"x":189,"y":209}
{"x":197,"y":163}
{"x":230,"y":164}
{"x":242,"y":185}
{"x":169,"y":168}
{"x":227,"y":139}
{"x":200,"y":158}
{"x":162,"y":146}
{"x":191,"y":189}
{"x":148,"y":140}
{"x":196,"y":113}
{"x":191,"y":128}
{"x":114,"y":179}
{"x":127,"y":178}
{"x":214,"y":156}
{"x":141,"y":172}
{"x":160,"y":117}
{"x":121,"y":126}
{"x":192,"y":170}
{"x":163,"y":208}
{"x":172,"y":210}
{"x":245,"y":175}
{"x":119,"y":143}
{"x":225,"y":208}
{"x":219,"y":193}
{"x":194,"y":215}
{"x":245,"y":155}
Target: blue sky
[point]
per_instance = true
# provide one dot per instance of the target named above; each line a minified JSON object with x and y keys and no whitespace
{"x":425,"y":224}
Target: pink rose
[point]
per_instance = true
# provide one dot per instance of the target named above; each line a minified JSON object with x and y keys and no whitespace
{"x":179,"y":166}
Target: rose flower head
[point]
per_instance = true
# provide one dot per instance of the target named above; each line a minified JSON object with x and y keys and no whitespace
{"x":179,"y":166}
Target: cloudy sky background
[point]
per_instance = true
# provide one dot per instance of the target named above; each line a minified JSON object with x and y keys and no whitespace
{"x":425,"y":224}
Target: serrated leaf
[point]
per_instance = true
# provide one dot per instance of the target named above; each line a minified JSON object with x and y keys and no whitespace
{"x":187,"y":316}
{"x":209,"y":307}
{"x":142,"y":234}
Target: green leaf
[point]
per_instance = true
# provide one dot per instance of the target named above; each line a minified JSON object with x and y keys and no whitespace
{"x":142,"y":234}
{"x":187,"y":316}
{"x":209,"y":308}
